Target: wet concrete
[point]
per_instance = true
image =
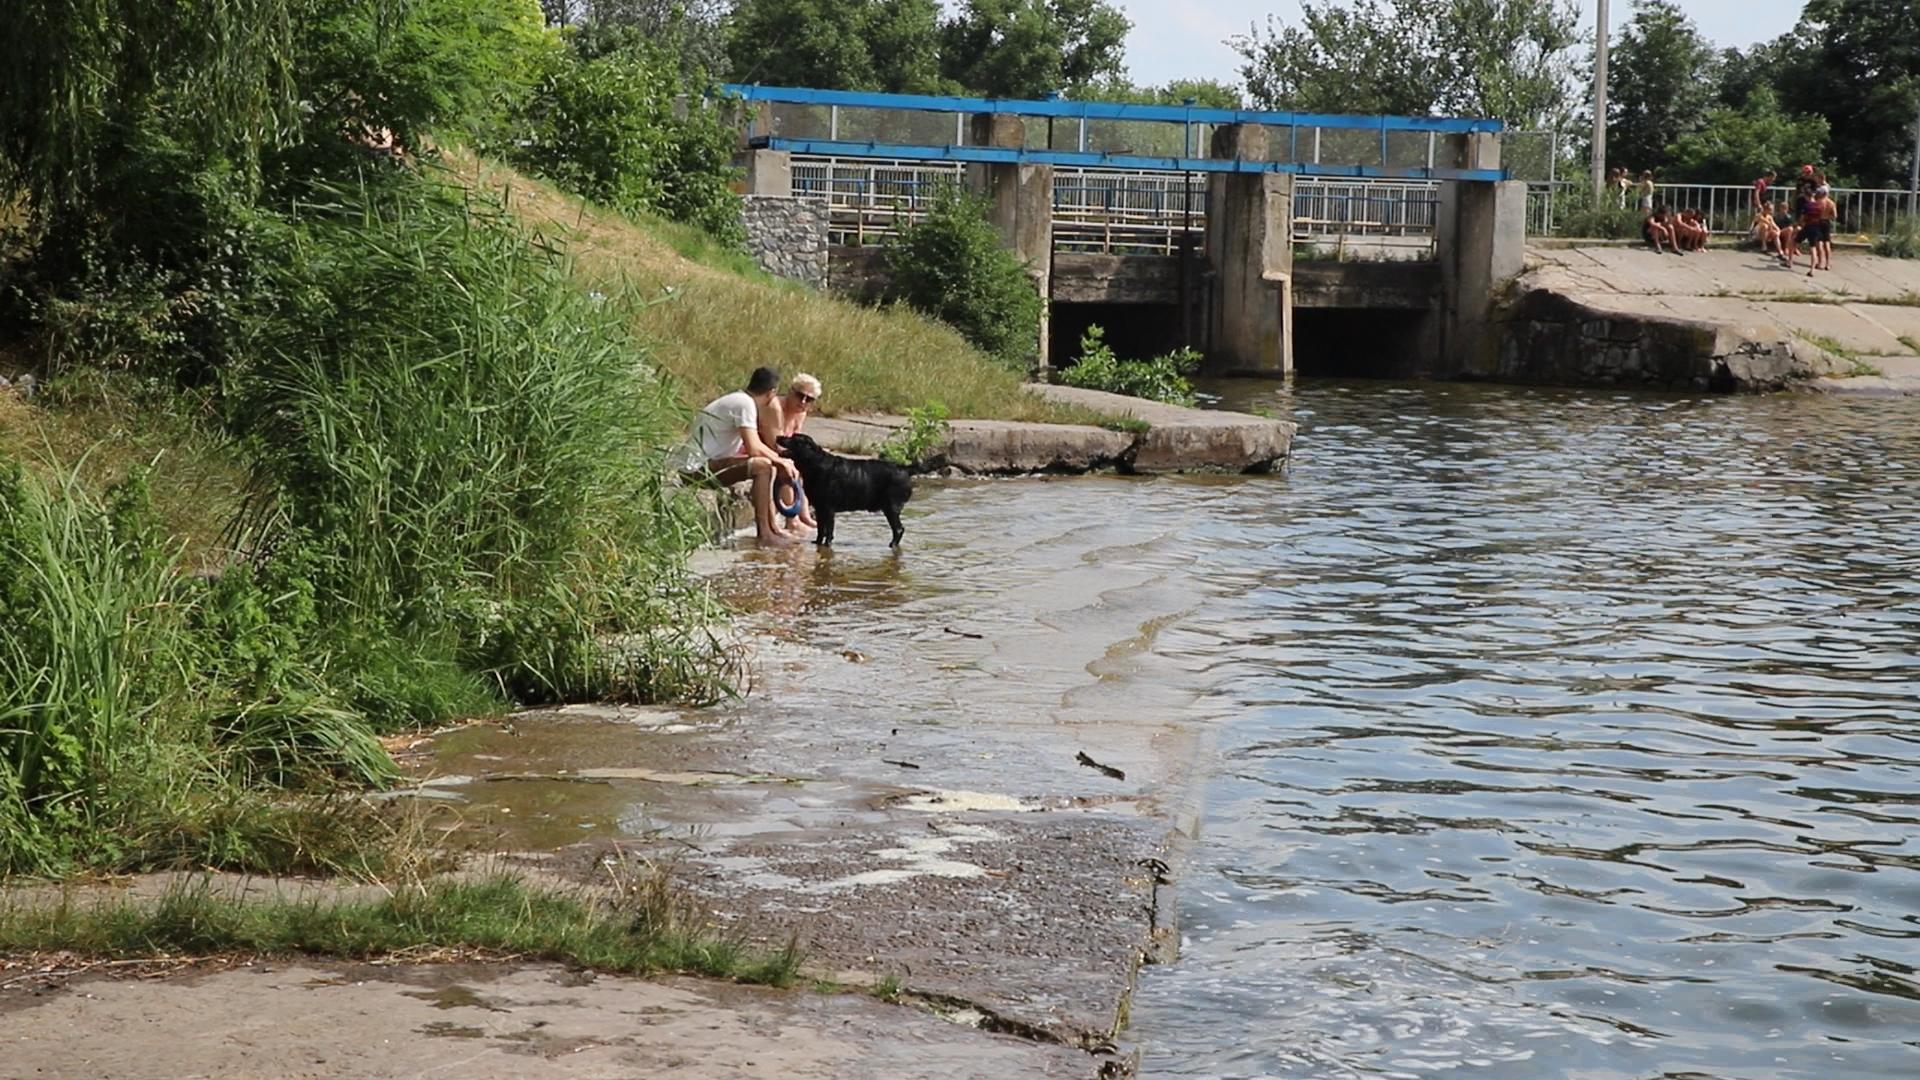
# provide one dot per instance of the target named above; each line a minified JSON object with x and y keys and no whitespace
{"x":904,"y":790}
{"x":486,"y":1022}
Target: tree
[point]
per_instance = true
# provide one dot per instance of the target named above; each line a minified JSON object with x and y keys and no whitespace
{"x":1857,"y":63}
{"x":1032,"y":48}
{"x":1735,"y":144}
{"x":951,"y":265}
{"x":1738,"y":74}
{"x":886,"y":45}
{"x":1204,"y":93}
{"x":80,"y":75}
{"x":1658,"y":86}
{"x":693,"y":30}
{"x":1506,"y":59}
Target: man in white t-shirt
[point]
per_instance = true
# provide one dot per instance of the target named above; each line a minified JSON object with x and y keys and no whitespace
{"x":727,"y":447}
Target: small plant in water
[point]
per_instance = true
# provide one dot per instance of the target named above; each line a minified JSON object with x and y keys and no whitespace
{"x":1163,"y":378}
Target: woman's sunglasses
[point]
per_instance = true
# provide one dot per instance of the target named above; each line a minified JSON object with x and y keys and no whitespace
{"x":805,"y":399}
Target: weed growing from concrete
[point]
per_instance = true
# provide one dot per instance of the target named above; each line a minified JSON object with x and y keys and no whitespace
{"x":1912,"y":343}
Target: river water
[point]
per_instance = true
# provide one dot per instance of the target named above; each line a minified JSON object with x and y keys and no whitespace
{"x":1554,"y":734}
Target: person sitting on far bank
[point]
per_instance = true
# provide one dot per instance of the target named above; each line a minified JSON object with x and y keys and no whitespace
{"x":786,"y":415}
{"x":727,"y":448}
{"x":1692,"y":229}
{"x":1789,"y":236}
{"x":1658,"y":230}
{"x":1763,"y":232}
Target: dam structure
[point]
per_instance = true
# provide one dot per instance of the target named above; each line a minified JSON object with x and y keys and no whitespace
{"x":1169,"y":225}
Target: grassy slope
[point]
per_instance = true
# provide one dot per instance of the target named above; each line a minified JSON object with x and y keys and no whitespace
{"x":105,"y":428}
{"x":724,"y":317}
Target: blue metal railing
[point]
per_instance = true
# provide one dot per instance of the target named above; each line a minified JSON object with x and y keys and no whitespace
{"x":1378,"y":138}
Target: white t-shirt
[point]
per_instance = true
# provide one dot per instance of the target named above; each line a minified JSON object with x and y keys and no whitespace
{"x":716,"y":431}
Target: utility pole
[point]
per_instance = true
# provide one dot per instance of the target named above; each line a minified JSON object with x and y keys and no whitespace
{"x":1599,"y":165}
{"x":1913,"y":171}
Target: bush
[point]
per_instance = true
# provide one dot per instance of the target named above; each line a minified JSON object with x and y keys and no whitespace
{"x":1900,"y":241}
{"x":613,"y":129}
{"x":952,"y":266}
{"x":471,"y":451}
{"x":1163,"y":378}
{"x":1604,"y":223}
{"x":926,"y":429}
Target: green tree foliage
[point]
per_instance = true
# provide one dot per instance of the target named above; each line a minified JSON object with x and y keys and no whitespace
{"x":1658,"y":84}
{"x":1743,"y":142}
{"x":885,"y":45}
{"x":1507,"y":59}
{"x":1031,"y":48}
{"x":611,"y":128}
{"x":453,"y":66}
{"x":79,"y":75}
{"x":952,"y":266}
{"x":1204,"y":93}
{"x":1857,"y":63}
{"x":693,"y":30}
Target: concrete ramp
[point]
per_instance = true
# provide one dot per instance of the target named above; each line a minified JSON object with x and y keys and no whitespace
{"x":1719,"y":319}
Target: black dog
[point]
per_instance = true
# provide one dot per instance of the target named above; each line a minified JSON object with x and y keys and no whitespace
{"x":834,"y":483}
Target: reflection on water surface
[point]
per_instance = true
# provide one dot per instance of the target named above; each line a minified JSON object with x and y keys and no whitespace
{"x":1559,"y":734}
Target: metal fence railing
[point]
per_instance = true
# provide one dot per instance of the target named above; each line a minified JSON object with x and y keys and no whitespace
{"x":1727,"y":207}
{"x":1323,"y":208}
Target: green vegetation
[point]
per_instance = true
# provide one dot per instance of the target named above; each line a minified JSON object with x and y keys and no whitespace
{"x":951,"y":265}
{"x":646,"y":927}
{"x":1601,"y":223}
{"x":1163,"y":378}
{"x":613,"y":128}
{"x":925,"y":431}
{"x":1130,"y":425}
{"x":1912,"y":343}
{"x":1902,"y":241}
{"x":706,"y":325}
{"x":1509,"y":59}
{"x":1839,"y":350}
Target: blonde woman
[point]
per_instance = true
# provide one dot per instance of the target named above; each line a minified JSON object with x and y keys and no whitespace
{"x":786,"y":415}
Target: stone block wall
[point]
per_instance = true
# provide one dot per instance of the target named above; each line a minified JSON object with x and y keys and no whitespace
{"x":787,"y":236}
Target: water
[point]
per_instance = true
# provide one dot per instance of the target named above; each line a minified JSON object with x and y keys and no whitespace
{"x":1556,"y":735}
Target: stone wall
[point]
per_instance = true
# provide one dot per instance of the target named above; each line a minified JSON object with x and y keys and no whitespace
{"x":1546,"y":336}
{"x":787,"y":236}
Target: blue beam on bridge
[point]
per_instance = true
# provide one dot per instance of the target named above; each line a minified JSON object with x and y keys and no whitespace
{"x":1107,"y":110}
{"x":1022,"y":156}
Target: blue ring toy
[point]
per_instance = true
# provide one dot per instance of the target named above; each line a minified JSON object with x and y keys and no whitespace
{"x":799,"y":503}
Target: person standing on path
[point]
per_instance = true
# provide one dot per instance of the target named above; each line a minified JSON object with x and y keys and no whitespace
{"x":1760,"y":186}
{"x":1644,"y":191}
{"x":726,"y":448}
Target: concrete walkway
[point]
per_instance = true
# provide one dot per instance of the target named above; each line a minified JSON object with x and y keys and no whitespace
{"x":1176,"y":439}
{"x":1854,"y":329}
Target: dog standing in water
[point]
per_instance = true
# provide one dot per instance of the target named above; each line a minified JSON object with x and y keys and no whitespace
{"x":834,"y":483}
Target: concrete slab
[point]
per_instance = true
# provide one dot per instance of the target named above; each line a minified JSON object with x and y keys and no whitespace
{"x":1613,"y":314}
{"x":485,"y":1022}
{"x":1178,"y":439}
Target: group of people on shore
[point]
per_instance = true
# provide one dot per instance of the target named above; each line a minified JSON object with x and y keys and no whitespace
{"x":1779,"y":228}
{"x":1781,"y":231}
{"x":737,"y":437}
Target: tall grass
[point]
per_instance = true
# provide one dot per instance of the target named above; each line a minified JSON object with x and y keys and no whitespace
{"x":120,"y":741}
{"x":1900,"y":241}
{"x":471,"y":450}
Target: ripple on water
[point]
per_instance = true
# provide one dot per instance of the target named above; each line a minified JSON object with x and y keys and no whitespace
{"x":1562,"y":735}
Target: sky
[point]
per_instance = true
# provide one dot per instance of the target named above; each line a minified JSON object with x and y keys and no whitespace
{"x":1174,"y":39}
